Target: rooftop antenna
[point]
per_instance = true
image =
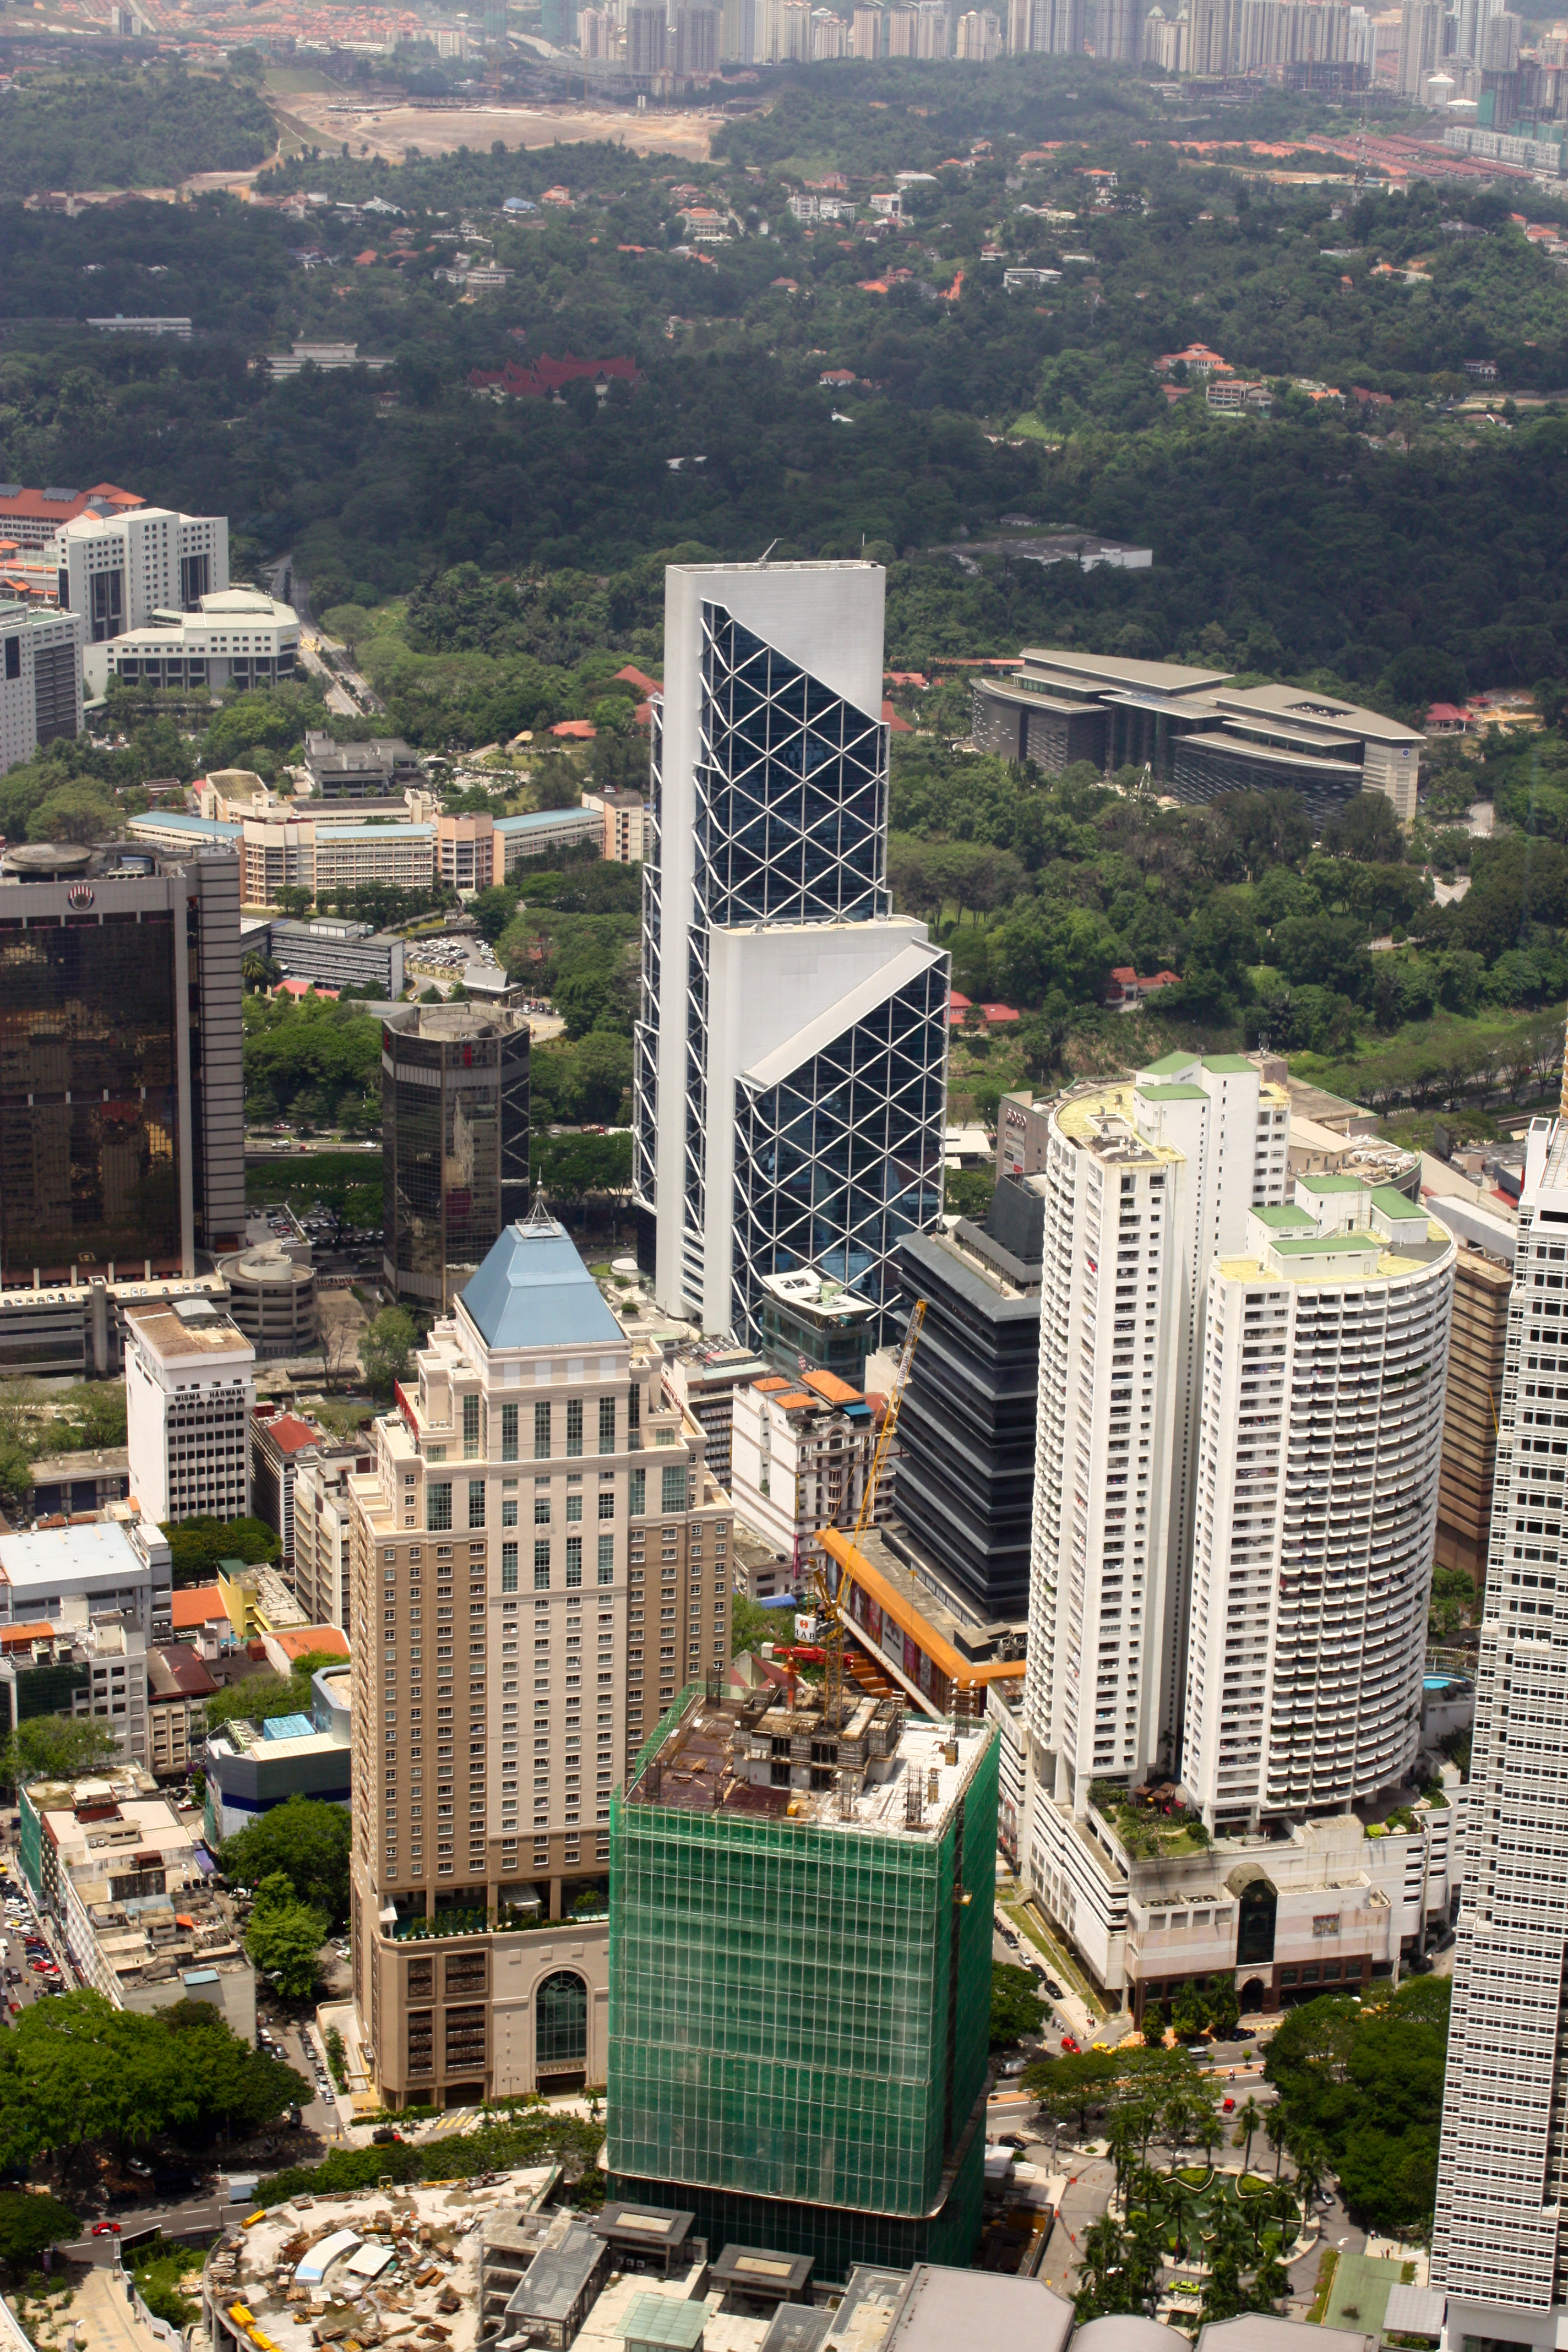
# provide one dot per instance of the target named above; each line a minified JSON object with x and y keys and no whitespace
{"x":538,"y":1219}
{"x":767,"y":550}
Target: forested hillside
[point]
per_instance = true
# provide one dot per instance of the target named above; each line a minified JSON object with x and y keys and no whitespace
{"x":130,"y":130}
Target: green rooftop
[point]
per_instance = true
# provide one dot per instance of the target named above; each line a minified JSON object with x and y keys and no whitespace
{"x":1277,"y":1219}
{"x":1228,"y":1065}
{"x":1395,"y":1203}
{"x":1328,"y":1245}
{"x":659,"y":2319}
{"x":1169,"y":1064}
{"x":1173,"y":1093}
{"x":1331,"y":1184}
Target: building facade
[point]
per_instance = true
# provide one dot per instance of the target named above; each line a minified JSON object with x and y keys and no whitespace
{"x":237,"y":636}
{"x":121,"y":1094}
{"x":1144,"y":1186}
{"x":126,"y":568}
{"x":801,"y":1933}
{"x":189,"y":1390}
{"x":1477,"y":1348}
{"x":1499,"y":2249}
{"x":966,"y":1481}
{"x":113,"y":1566}
{"x":40,"y":679}
{"x":801,"y":1453}
{"x":485,"y":1758}
{"x":1325,"y":1353}
{"x":455,"y":1141}
{"x":791,"y":1053}
{"x":339,"y":953}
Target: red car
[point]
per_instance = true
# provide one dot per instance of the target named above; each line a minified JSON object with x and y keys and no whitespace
{"x":106,"y":2228}
{"x":1070,"y":2044}
{"x":1227,"y":2107}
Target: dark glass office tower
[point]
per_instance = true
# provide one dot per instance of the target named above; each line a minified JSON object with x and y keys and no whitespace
{"x":454,"y":1124}
{"x":122,"y":1130}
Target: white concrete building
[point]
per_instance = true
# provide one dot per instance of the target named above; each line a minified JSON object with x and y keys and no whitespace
{"x":791,"y":1056}
{"x":1498,"y":2247}
{"x":800,"y":1453}
{"x":94,"y":1667}
{"x":116,"y":1565}
{"x":189,"y":1389}
{"x":120,"y":571}
{"x":40,"y":679}
{"x":1323,"y":1386}
{"x":237,"y":636}
{"x":1144,"y":1185}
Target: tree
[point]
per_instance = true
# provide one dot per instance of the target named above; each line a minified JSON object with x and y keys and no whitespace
{"x":306,"y":1841}
{"x":284,"y":1938}
{"x":386,"y":1348}
{"x":27,"y":2225}
{"x":1311,"y":2159}
{"x":57,"y":1747}
{"x":197,"y":1546}
{"x":1016,"y":2007}
{"x":1274,"y":2133}
{"x":751,"y":1624}
{"x":1248,"y":2117}
{"x":260,"y":1699}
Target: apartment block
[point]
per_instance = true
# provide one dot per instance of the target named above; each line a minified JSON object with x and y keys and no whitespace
{"x":1144,"y":1186}
{"x":1498,"y":2246}
{"x":189,"y":1391}
{"x":505,"y":1544}
{"x":1323,"y":1380}
{"x":95,"y":1668}
{"x":133,"y":567}
{"x":178,"y":1689}
{"x":1477,"y":1348}
{"x":801,"y":1453}
{"x":40,"y":679}
{"x":282,"y":1447}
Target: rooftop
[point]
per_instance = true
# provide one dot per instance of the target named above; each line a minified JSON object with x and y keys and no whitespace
{"x":403,"y":2260}
{"x":191,"y":1327}
{"x":198,"y":1604}
{"x":534,"y":1291}
{"x":891,"y":1775}
{"x":83,"y":1548}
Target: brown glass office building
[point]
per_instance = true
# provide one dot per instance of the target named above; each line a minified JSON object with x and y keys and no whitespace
{"x":122,"y":1092}
{"x":454,"y":1125}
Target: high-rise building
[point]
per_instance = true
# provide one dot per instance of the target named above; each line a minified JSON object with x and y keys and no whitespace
{"x":189,"y":1389}
{"x":791,"y":1056}
{"x":866,"y":33}
{"x":323,"y":1561}
{"x":1145,"y":1185}
{"x":933,"y":32}
{"x":965,"y":1483}
{"x":40,"y":679}
{"x":122,"y":571}
{"x":902,"y":25}
{"x":517,"y":1655}
{"x":1326,"y":1345}
{"x":801,"y":1452}
{"x":979,"y":35}
{"x":1476,"y":1353}
{"x":1211,"y":35}
{"x":646,"y":27}
{"x":800,"y":1976}
{"x":738,"y":32}
{"x":455,"y":1141}
{"x":121,"y":1094}
{"x":1420,"y":44}
{"x":1499,"y":2249}
{"x":695,"y":52}
{"x":1117,"y":30}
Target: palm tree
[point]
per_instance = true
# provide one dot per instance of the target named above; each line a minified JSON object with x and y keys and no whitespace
{"x":1249,"y":2117}
{"x":1274,"y":2133}
{"x":1311,"y":2157}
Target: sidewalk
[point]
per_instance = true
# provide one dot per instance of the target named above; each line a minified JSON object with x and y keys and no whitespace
{"x":100,"y":2317}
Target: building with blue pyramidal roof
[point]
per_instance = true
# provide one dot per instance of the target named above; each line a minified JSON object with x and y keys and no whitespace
{"x":546,"y":1555}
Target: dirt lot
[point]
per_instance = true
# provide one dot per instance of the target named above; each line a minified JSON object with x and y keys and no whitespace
{"x":389,"y":131}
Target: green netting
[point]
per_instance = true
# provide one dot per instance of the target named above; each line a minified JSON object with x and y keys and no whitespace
{"x":800,"y":2011}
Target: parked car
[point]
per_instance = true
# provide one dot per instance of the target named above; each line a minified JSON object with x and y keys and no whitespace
{"x":106,"y":2228}
{"x":1070,"y":2045}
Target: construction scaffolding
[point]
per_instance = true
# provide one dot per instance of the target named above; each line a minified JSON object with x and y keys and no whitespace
{"x":800,"y":1971}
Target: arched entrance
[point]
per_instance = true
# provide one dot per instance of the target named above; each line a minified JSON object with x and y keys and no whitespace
{"x":1252,"y":1995}
{"x":561,"y":2031}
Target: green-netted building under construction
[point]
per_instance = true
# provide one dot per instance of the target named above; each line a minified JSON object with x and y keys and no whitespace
{"x":800,"y":1976}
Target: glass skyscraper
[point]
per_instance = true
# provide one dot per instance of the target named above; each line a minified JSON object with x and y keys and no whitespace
{"x":791,"y":1056}
{"x":454,"y":1123}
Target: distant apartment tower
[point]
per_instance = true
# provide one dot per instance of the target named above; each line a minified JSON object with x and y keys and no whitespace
{"x":1117,"y":32}
{"x":979,"y":35}
{"x":933,"y":29}
{"x":791,"y":1053}
{"x":1145,"y":1185}
{"x":764,"y":1859}
{"x":1499,"y":2249}
{"x":646,"y":25}
{"x":866,"y":33}
{"x":1211,"y":36}
{"x":121,"y":1095}
{"x":1420,"y":44}
{"x":40,"y":680}
{"x":1477,"y":1349}
{"x":695,"y":52}
{"x":189,"y":1390}
{"x":1326,"y":1344}
{"x":455,"y":1142}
